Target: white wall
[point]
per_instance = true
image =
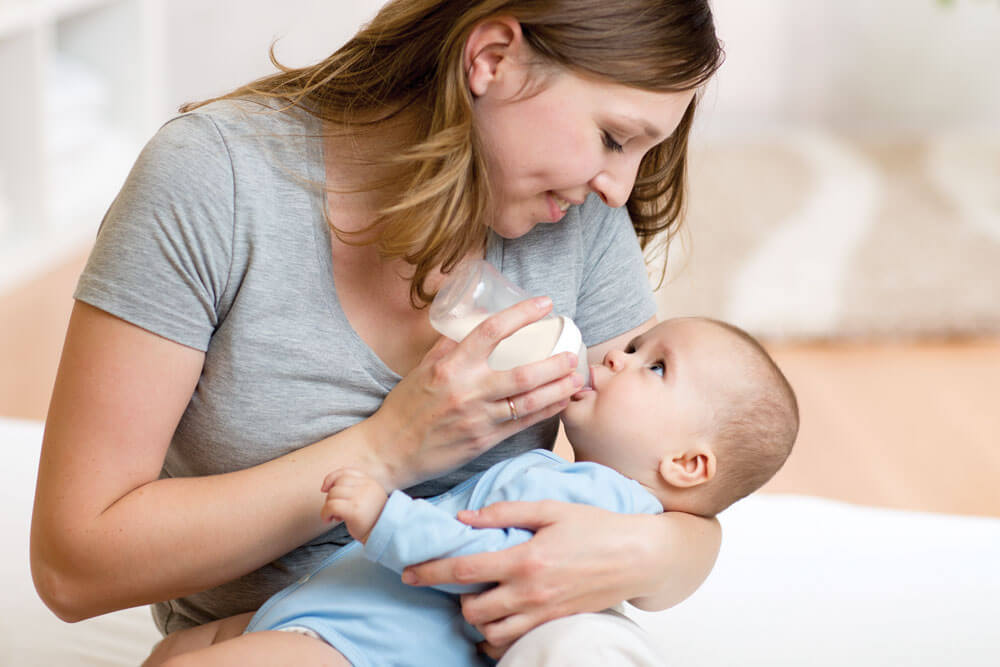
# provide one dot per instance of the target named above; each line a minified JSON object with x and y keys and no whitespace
{"x":216,"y":45}
{"x":869,"y":65}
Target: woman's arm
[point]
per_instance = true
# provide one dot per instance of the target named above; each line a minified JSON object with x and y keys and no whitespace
{"x":687,"y":551}
{"x":107,"y":533}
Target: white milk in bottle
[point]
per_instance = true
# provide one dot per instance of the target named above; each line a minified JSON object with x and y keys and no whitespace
{"x":475,"y":291}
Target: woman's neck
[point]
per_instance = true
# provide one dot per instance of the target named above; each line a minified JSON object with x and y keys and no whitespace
{"x":361,"y":177}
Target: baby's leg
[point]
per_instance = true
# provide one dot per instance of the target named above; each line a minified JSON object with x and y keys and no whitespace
{"x":264,"y":649}
{"x":198,"y":637}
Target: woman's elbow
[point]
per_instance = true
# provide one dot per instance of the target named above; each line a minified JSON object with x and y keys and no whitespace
{"x":53,"y":591}
{"x":59,"y":586}
{"x":689,"y":557}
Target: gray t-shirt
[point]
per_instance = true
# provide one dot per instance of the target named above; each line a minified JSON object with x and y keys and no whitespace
{"x":218,"y":241}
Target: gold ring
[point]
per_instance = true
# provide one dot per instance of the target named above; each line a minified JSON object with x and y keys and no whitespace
{"x":513,"y":412}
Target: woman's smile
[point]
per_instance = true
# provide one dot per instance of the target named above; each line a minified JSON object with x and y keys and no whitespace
{"x":557,"y":206}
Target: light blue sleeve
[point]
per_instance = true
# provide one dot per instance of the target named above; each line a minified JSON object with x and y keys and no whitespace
{"x":413,"y":531}
{"x":585,"y":483}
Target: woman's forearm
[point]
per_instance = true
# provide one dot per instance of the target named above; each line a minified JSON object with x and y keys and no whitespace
{"x":204,"y":531}
{"x":682,"y":559}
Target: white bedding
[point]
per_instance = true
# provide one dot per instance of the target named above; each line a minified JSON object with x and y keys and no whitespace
{"x":799,"y":581}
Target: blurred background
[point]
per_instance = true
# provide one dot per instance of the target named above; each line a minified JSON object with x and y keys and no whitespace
{"x":844,"y":205}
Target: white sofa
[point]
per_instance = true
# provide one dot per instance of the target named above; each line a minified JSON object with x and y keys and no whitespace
{"x":799,"y":581}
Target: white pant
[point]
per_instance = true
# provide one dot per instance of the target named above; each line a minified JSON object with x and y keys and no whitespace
{"x":604,"y":639}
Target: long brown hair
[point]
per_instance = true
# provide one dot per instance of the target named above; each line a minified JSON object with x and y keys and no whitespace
{"x":409,"y":58}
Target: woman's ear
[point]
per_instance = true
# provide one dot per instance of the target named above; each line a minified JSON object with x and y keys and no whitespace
{"x":688,"y":468}
{"x":489,"y":44}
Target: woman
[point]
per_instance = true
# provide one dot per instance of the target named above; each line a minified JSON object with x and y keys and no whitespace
{"x":252,"y":315}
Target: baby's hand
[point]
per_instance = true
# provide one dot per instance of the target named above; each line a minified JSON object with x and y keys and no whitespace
{"x":355,"y":498}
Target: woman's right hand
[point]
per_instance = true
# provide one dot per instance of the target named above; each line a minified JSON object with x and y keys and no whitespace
{"x":452,"y":407}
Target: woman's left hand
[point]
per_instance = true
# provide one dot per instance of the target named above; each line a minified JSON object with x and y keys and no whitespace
{"x":581,"y":559}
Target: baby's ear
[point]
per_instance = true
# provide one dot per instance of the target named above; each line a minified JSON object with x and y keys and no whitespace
{"x":689,"y":468}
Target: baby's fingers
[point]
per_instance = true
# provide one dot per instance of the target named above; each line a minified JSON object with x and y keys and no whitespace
{"x":329,"y":513}
{"x":340,"y":475}
{"x":334,"y":509}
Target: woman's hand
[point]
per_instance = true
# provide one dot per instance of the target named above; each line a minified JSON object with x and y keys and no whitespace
{"x":452,"y":407}
{"x":581,"y":559}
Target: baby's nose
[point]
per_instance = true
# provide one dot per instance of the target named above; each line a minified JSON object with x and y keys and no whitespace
{"x":615,"y":360}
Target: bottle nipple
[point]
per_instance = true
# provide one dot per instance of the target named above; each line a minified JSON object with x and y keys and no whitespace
{"x":571,"y":340}
{"x":583,"y":367}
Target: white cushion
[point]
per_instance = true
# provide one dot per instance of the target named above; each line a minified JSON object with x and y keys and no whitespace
{"x":799,"y":580}
{"x":30,"y":634}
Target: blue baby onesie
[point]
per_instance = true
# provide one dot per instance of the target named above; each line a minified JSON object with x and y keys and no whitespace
{"x":356,"y":602}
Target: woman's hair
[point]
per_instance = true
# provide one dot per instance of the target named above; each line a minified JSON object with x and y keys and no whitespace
{"x":410,"y":58}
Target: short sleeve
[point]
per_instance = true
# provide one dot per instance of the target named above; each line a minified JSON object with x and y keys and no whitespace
{"x":163,"y":253}
{"x":615,"y":295}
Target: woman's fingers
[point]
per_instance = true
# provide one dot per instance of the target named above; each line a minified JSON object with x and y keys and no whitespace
{"x":539,"y":383}
{"x":508,"y":427}
{"x":481,"y":340}
{"x":500,"y":615}
{"x":519,"y":394}
{"x":495,"y":652}
{"x":501,"y":634}
{"x":514,"y":514}
{"x":526,"y":389}
{"x":488,"y":566}
{"x":474,"y":569}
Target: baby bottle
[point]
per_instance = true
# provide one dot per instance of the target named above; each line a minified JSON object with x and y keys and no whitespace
{"x":477,"y":290}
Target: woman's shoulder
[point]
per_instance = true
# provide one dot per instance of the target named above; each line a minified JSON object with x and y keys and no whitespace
{"x":264,"y":144}
{"x":243,"y":125}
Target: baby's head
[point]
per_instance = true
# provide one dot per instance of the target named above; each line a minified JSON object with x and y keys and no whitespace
{"x":694,"y":409}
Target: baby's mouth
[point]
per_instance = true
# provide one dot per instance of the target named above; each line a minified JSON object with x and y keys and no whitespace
{"x":580,"y":394}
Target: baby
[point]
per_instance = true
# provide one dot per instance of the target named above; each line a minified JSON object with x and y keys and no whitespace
{"x":692,"y":416}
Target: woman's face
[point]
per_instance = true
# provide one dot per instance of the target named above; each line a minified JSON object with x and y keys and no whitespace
{"x":549,"y":144}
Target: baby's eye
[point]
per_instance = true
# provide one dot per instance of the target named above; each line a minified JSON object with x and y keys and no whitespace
{"x":630,"y":348}
{"x":659,"y":368}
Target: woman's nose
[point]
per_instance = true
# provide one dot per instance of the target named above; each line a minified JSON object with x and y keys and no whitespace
{"x":614,"y":183}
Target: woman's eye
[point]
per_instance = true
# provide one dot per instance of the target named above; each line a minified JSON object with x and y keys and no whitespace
{"x":611,"y":144}
{"x":659,"y":368}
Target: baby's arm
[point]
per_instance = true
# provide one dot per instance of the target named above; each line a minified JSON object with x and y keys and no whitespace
{"x":399,"y":531}
{"x":411,"y":531}
{"x":402,"y":531}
